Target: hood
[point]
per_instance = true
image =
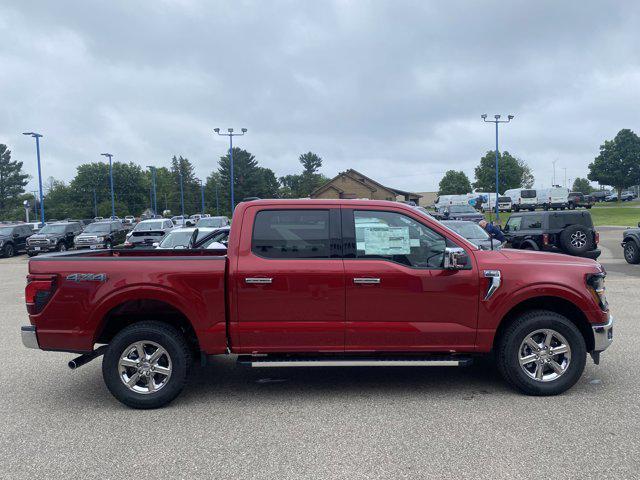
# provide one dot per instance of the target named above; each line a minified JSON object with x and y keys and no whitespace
{"x":532,"y":256}
{"x":466,"y":216}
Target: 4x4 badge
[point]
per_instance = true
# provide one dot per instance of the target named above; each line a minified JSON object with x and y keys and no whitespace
{"x":87,"y":277}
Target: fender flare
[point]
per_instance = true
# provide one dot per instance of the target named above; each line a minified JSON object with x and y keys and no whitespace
{"x":633,"y":238}
{"x":140,"y":292}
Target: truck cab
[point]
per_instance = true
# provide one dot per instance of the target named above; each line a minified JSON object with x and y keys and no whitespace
{"x":320,"y":283}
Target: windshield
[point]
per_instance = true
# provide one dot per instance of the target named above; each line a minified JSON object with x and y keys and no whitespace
{"x":213,"y":222}
{"x":469,"y":230}
{"x":148,"y":226}
{"x":528,"y":194}
{"x":53,"y":229}
{"x":179,"y":239}
{"x":504,"y":199}
{"x":461,"y":209}
{"x":98,"y":228}
{"x":6,"y":230}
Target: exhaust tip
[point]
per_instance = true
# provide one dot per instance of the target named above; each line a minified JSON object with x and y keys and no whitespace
{"x":72,"y":365}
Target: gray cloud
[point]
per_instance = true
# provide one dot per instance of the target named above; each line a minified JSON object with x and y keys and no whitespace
{"x":394,"y":89}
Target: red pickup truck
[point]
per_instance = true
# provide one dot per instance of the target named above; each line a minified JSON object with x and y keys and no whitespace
{"x":320,"y":283}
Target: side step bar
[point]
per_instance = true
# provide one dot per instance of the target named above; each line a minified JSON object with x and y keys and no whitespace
{"x":353,"y":361}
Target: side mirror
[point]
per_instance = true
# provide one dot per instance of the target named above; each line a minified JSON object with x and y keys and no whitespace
{"x":455,"y":258}
{"x":155,"y":244}
{"x":16,"y":235}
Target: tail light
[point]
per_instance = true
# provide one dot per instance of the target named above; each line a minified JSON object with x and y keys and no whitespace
{"x":597,"y":237}
{"x":545,"y":239}
{"x":519,"y":200}
{"x":38,"y":292}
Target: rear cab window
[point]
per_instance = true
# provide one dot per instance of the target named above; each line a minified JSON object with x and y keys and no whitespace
{"x":291,"y":234}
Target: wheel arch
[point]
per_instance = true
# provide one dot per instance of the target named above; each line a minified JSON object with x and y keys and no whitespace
{"x":551,"y":303}
{"x":127,"y":312}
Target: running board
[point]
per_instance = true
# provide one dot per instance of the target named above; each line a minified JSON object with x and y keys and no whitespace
{"x":353,"y":361}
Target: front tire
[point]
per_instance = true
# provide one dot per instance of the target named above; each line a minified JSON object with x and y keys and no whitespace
{"x":146,"y":365}
{"x":8,"y":250}
{"x":62,"y":247}
{"x":631,"y":252}
{"x":541,"y":353}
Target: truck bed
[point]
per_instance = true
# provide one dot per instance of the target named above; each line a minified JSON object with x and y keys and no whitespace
{"x":94,"y":288}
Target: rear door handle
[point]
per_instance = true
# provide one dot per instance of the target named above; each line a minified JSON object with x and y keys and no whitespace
{"x":366,"y":280}
{"x":258,"y":280}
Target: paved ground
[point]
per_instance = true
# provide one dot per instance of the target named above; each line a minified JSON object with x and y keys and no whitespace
{"x":233,"y":422}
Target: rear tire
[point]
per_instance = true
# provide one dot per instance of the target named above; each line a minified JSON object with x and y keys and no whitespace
{"x":62,"y":247}
{"x":541,"y":353}
{"x":152,"y":383}
{"x":631,"y":252}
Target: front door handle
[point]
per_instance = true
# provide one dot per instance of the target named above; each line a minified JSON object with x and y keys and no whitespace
{"x":366,"y":280}
{"x":258,"y":280}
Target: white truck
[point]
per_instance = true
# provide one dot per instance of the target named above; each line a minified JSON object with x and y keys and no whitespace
{"x":555,"y":197}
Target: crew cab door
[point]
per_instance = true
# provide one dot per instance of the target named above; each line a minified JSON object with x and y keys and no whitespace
{"x":398,"y":295}
{"x":289,"y":280}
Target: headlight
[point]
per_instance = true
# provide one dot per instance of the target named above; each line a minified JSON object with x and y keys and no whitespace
{"x":1,"y":243}
{"x":595,"y":283}
{"x":100,"y":239}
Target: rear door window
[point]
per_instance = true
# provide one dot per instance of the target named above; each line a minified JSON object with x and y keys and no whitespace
{"x":291,"y":234}
{"x":532,"y":222}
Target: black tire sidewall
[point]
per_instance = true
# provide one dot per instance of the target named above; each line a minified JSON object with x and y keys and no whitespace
{"x":8,"y":250}
{"x":166,"y":336}
{"x":515,"y":336}
{"x":565,"y":240}
{"x":635,"y":258}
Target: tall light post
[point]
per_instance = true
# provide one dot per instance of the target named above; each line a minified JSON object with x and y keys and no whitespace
{"x":202,"y":195}
{"x":154,"y":197}
{"x":113,"y":202}
{"x":230,"y":134}
{"x":181,"y":189}
{"x":37,"y":136}
{"x":497,"y":121}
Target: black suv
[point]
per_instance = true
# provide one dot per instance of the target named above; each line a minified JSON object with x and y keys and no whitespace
{"x":13,"y":238}
{"x":631,"y":244}
{"x":104,"y":234}
{"x":53,"y":237}
{"x":563,"y":232}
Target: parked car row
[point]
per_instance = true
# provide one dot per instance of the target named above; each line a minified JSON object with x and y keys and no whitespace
{"x":97,"y":233}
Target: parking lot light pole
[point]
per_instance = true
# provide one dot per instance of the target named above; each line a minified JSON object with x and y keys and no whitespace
{"x":37,"y":136}
{"x":181,"y":190}
{"x":497,"y":121}
{"x":230,"y":134}
{"x":113,"y":203}
{"x":202,"y":195}
{"x":154,"y":198}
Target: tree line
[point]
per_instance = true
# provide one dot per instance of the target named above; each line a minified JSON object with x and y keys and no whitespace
{"x":617,"y":165}
{"x":88,"y":194}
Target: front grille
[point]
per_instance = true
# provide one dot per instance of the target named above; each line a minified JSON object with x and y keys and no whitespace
{"x":85,"y":241}
{"x":39,"y":242}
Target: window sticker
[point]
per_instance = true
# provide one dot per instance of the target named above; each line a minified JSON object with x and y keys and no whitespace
{"x":384,"y":240}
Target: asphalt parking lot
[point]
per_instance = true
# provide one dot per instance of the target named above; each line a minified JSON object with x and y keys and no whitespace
{"x":233,"y":422}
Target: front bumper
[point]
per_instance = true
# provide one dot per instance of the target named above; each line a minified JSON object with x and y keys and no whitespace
{"x":603,"y":335}
{"x":29,"y":336}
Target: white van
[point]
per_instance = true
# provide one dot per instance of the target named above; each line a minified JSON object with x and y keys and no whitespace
{"x":556,"y":198}
{"x":448,"y":200}
{"x":523,"y":198}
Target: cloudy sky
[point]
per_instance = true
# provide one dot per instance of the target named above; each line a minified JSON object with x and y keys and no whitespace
{"x":394,"y":89}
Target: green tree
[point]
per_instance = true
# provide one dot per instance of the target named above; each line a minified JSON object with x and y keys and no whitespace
{"x":250,"y":180}
{"x":618,"y":163}
{"x":454,"y":183}
{"x":582,"y":185}
{"x":512,"y":172}
{"x":190,"y":185}
{"x":12,"y":181}
{"x":301,"y":185}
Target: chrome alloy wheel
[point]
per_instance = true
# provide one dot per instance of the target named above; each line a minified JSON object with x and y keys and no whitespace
{"x":578,"y":239}
{"x":145,"y":367}
{"x":545,"y":355}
